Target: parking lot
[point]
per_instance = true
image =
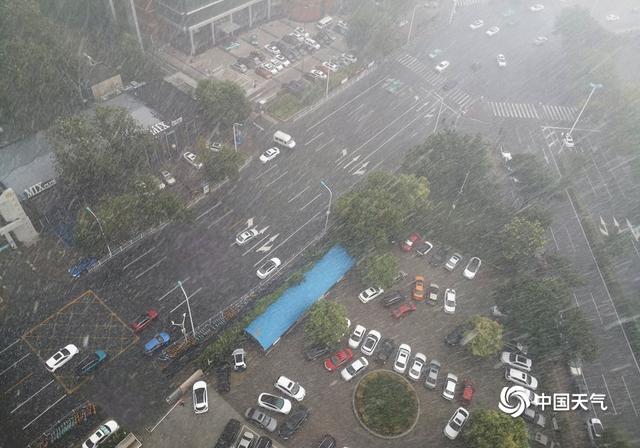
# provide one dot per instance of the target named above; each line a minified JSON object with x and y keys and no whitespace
{"x":329,"y":397}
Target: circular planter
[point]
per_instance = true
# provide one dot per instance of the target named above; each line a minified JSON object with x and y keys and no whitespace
{"x":385,"y":404}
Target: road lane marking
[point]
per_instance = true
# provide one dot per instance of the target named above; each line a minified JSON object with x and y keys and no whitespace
{"x":207,"y":211}
{"x":28,"y":399}
{"x":277,"y":178}
{"x":313,"y":138}
{"x":266,"y":171}
{"x":629,"y":394}
{"x":185,"y":300}
{"x":151,"y":267}
{"x":606,"y":386}
{"x":597,"y":310}
{"x":251,"y":248}
{"x":147,"y":252}
{"x":24,"y":378}
{"x":42,"y":413}
{"x":554,"y":238}
{"x":570,"y":239}
{"x":305,"y":205}
{"x":324,"y":145}
{"x":383,"y":129}
{"x":172,"y":289}
{"x":9,"y":346}
{"x":392,"y":137}
{"x":297,"y":195}
{"x":14,"y":364}
{"x":219,"y":219}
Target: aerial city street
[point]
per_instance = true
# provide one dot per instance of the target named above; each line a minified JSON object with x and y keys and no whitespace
{"x":320,"y":223}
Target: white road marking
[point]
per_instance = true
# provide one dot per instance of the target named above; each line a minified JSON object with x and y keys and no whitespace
{"x":172,"y":289}
{"x":185,"y":300}
{"x":208,"y":210}
{"x":298,"y":195}
{"x":383,"y":129}
{"x":321,"y":147}
{"x":277,"y":178}
{"x":554,"y":238}
{"x":392,"y":137}
{"x":575,"y":297}
{"x":606,"y":386}
{"x":629,"y":393}
{"x":219,"y":219}
{"x":14,"y":364}
{"x":597,"y":310}
{"x":265,"y":171}
{"x":147,"y":252}
{"x":251,"y":248}
{"x":305,"y":205}
{"x":313,"y":138}
{"x":27,"y":400}
{"x":42,"y":413}
{"x":573,"y":248}
{"x":151,"y":267}
{"x":9,"y":346}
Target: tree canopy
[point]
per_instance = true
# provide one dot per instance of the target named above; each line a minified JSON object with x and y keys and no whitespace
{"x":487,"y":338}
{"x":223,"y":102}
{"x":522,"y":240}
{"x":327,"y":322}
{"x":379,"y":270}
{"x":223,"y":164}
{"x":491,"y":429}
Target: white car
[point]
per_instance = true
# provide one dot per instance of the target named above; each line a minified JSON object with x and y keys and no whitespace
{"x":492,"y":31}
{"x":502,"y":60}
{"x":290,"y":388}
{"x":246,"y":236}
{"x":536,"y":8}
{"x":472,"y":268}
{"x":567,"y":141}
{"x":200,"y":398}
{"x":270,"y":68}
{"x":348,"y":57}
{"x":356,"y":336}
{"x":274,"y":403}
{"x":477,"y":24}
{"x":595,"y":429}
{"x":301,"y":31}
{"x":268,"y":268}
{"x":354,"y":368}
{"x":101,"y":434}
{"x":318,"y":74}
{"x":272,"y":49}
{"x":192,"y":159}
{"x":450,"y":301}
{"x":246,"y":441}
{"x":456,"y":422}
{"x":402,"y":358}
{"x":168,"y":178}
{"x":330,"y":66}
{"x":277,"y":64}
{"x":612,"y":17}
{"x":521,"y":378}
{"x":239,"y":361}
{"x":284,"y":61}
{"x":435,"y":53}
{"x":540,"y":40}
{"x":369,"y":294}
{"x":269,"y":154}
{"x":442,"y":66}
{"x":312,"y":43}
{"x":419,"y":361}
{"x":371,"y":342}
{"x":453,"y":261}
{"x":62,"y":357}
{"x":515,"y":360}
{"x":449,"y":389}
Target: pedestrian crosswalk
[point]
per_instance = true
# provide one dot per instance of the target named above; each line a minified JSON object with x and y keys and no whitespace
{"x":461,"y":98}
{"x":539,"y":112}
{"x":469,"y":2}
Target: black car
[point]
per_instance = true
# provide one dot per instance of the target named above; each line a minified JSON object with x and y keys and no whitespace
{"x":439,"y":257}
{"x":315,"y":352}
{"x":327,"y":442}
{"x":264,"y":442}
{"x":91,"y":362}
{"x":424,"y":248}
{"x":293,"y":422}
{"x":391,"y":299}
{"x":229,"y":434}
{"x":455,"y":337}
{"x":222,"y":378}
{"x":385,"y":350}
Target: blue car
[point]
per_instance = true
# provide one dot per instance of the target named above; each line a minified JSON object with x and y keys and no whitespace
{"x":83,"y":266}
{"x":156,"y":343}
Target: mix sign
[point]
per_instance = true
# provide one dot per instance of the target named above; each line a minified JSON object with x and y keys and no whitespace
{"x":515,"y":399}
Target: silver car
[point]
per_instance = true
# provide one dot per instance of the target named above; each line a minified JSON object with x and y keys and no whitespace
{"x":432,"y":375}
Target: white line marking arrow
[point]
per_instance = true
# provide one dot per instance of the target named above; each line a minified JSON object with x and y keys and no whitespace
{"x":355,"y":159}
{"x":266,"y":247}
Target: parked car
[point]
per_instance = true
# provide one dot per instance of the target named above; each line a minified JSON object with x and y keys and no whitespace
{"x":264,"y":442}
{"x":327,"y":441}
{"x":412,"y":240}
{"x":418,"y":288}
{"x":356,"y":336}
{"x":477,"y":24}
{"x":348,"y":58}
{"x":540,"y":40}
{"x":521,"y":378}
{"x":456,"y":422}
{"x":290,"y":388}
{"x":595,"y":429}
{"x":260,"y":419}
{"x":516,"y":360}
{"x":391,"y":299}
{"x":272,"y":49}
{"x":101,"y":434}
{"x":159,"y":341}
{"x":274,"y":403}
{"x":296,"y":86}
{"x":354,"y":368}
{"x":432,"y":374}
{"x":536,"y":8}
{"x":385,"y":350}
{"x":450,"y":301}
{"x":338,"y":359}
{"x":82,"y":266}
{"x":467,"y":392}
{"x":492,"y":31}
{"x":246,"y":236}
{"x":222,"y":378}
{"x":200,"y":397}
{"x":402,"y":358}
{"x":293,"y":423}
{"x":331,"y":66}
{"x":192,"y":159}
{"x":433,"y":292}
{"x":502,"y":60}
{"x":456,"y":336}
{"x":282,"y":60}
{"x":143,"y":321}
{"x":239,"y":67}
{"x":261,"y":71}
{"x":369,"y":294}
{"x":472,"y":268}
{"x":371,"y":342}
{"x":534,"y":417}
{"x":316,"y":351}
{"x":453,"y":261}
{"x":435,"y":53}
{"x":268,"y":268}
{"x":419,"y":361}
{"x":449,"y":389}
{"x":318,"y":74}
{"x":239,"y":361}
{"x":246,"y":440}
{"x":229,"y":434}
{"x":403,"y":310}
{"x":269,"y":154}
{"x":168,"y":177}
{"x":91,"y":362}
{"x":424,"y":248}
{"x":442,"y":66}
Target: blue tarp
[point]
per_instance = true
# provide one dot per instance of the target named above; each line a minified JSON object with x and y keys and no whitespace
{"x":295,"y":301}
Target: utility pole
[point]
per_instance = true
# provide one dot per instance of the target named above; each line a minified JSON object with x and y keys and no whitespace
{"x":594,"y":86}
{"x":326,"y":222}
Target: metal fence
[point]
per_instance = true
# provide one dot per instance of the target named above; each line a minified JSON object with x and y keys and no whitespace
{"x":74,"y":418}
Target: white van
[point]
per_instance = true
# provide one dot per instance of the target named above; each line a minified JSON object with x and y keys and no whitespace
{"x":283,"y":139}
{"x":324,"y":23}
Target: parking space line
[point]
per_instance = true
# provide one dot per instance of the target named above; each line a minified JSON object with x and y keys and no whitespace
{"x":277,"y":179}
{"x":129,"y":264}
{"x":554,"y":238}
{"x":606,"y":386}
{"x":42,"y":413}
{"x":184,"y":301}
{"x":172,"y":289}
{"x":324,"y":145}
{"x":14,"y":364}
{"x":297,"y":195}
{"x":266,"y":171}
{"x":573,"y":247}
{"x":629,"y":394}
{"x":27,"y":400}
{"x":18,"y":383}
{"x":305,"y":205}
{"x":219,"y":219}
{"x":252,"y":247}
{"x":208,"y":210}
{"x":313,"y":138}
{"x":9,"y":346}
{"x":151,"y":267}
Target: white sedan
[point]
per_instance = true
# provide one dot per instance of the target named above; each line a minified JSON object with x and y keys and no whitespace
{"x":290,"y":387}
{"x":268,"y":268}
{"x":200,"y":398}
{"x":246,"y":236}
{"x":515,"y":360}
{"x":492,"y":31}
{"x":331,"y":66}
{"x":521,"y":378}
{"x":477,"y":24}
{"x":192,"y":159}
{"x":318,"y":74}
{"x":442,"y":66}
{"x":612,"y":17}
{"x":449,"y":389}
{"x":502,"y":60}
{"x":168,"y":178}
{"x":101,"y":434}
{"x":62,"y":357}
{"x":456,"y":422}
{"x":472,"y":268}
{"x":402,"y":358}
{"x":536,"y":8}
{"x":369,"y":294}
{"x":354,"y":368}
{"x":371,"y":342}
{"x":419,"y":361}
{"x":540,"y":40}
{"x":356,"y":337}
{"x":274,"y":403}
{"x":269,"y":154}
{"x":450,"y":301}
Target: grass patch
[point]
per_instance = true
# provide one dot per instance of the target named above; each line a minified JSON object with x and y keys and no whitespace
{"x":283,"y":106}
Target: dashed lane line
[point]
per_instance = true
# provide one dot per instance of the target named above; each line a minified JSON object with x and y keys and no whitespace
{"x":29,"y":399}
{"x":14,"y":364}
{"x":305,"y":205}
{"x":219,"y":219}
{"x":124,"y":268}
{"x":277,"y":178}
{"x":208,"y":211}
{"x":298,"y":195}
{"x":43,"y":412}
{"x":9,"y":346}
{"x":151,"y":267}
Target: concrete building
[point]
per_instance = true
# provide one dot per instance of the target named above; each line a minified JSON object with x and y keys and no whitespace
{"x":14,"y":222}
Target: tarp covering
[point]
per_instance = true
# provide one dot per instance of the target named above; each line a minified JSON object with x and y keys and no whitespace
{"x":267,"y":328}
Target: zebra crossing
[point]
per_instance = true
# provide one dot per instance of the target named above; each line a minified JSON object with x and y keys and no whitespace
{"x":469,"y":2}
{"x":458,"y":96}
{"x":539,"y":112}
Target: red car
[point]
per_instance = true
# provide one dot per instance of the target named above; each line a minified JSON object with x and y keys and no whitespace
{"x":413,"y":239}
{"x":143,"y":321}
{"x":338,"y":359}
{"x":403,"y":310}
{"x":467,"y":392}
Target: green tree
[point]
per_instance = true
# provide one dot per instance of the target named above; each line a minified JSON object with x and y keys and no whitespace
{"x":327,"y":322}
{"x":576,"y":330}
{"x":224,"y":102}
{"x":369,"y":215}
{"x":492,"y":429}
{"x":379,"y":270}
{"x":612,"y":438}
{"x":534,"y":179}
{"x":371,"y":31}
{"x":487,"y":338}
{"x":522,"y":240}
{"x":223,"y":164}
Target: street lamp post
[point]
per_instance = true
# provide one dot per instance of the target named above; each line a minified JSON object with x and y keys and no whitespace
{"x":186,"y":297}
{"x":594,"y":86}
{"x":100,"y":227}
{"x":326,"y":222}
{"x":453,"y":206}
{"x":235,"y":137}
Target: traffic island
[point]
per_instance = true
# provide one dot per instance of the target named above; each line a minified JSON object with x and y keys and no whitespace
{"x":386,"y":404}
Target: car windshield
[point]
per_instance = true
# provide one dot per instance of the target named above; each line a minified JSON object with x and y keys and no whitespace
{"x":273,"y":400}
{"x":200,"y":394}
